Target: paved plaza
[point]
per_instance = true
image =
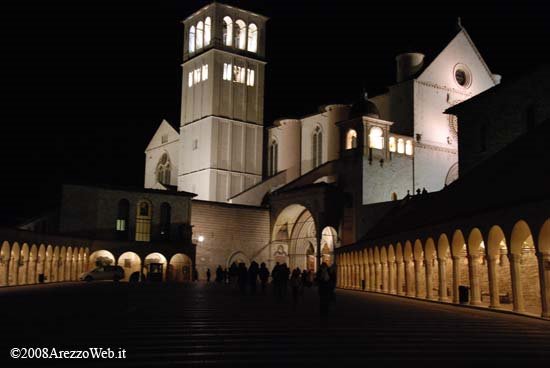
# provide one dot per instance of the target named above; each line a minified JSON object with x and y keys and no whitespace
{"x":209,"y":324}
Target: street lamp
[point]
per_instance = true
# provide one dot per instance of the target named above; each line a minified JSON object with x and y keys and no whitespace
{"x":201,"y":238}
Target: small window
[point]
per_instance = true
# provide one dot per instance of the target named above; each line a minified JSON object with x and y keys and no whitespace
{"x":122,"y":218}
{"x":401,"y":145}
{"x":227,"y":70}
{"x":164,"y":138}
{"x":195,"y":144}
{"x":376,"y":138}
{"x":408,"y":147}
{"x":143,"y":221}
{"x":249,"y":77}
{"x":273,"y":157}
{"x":462,"y":75}
{"x":351,"y":139}
{"x":239,"y":75}
{"x":197,"y":76}
{"x":394,"y":196}
{"x":392,"y":144}
{"x":190,"y":80}
{"x":205,"y":72}
{"x":317,"y":147}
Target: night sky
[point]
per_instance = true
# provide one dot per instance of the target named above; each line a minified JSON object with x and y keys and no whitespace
{"x":86,"y":83}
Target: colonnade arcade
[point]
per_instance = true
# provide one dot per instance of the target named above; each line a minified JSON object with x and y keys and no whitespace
{"x":501,"y":267}
{"x":22,"y":264}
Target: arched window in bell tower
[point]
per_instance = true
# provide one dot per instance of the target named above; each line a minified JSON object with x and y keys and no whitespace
{"x":227,"y":31}
{"x":200,"y":35}
{"x":192,"y":39}
{"x":207,"y":31}
{"x":317,"y":147}
{"x":252,"y":37}
{"x":240,"y":34}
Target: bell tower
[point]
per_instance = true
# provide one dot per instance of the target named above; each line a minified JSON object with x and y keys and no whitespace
{"x":222,"y":107}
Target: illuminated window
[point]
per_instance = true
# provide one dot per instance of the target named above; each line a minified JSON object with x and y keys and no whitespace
{"x":376,"y":138}
{"x":192,"y":39}
{"x":200,"y":35}
{"x":351,"y":139}
{"x":227,"y":31}
{"x":143,"y":221}
{"x":239,"y":74}
{"x":273,"y":157}
{"x":197,"y":76}
{"x":409,"y":147}
{"x":249,"y":77}
{"x":240,"y":34}
{"x":122,"y":218}
{"x":227,"y":68}
{"x":317,"y":147}
{"x":205,"y":72}
{"x":252,"y":37}
{"x":394,"y":196}
{"x":392,"y":144}
{"x":400,"y":145}
{"x":163,"y":169}
{"x":190,"y":79}
{"x":207,"y":31}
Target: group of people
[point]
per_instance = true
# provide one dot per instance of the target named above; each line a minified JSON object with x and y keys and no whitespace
{"x":281,"y":277}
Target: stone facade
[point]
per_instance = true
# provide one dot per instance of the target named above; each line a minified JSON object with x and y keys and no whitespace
{"x":231,"y":233}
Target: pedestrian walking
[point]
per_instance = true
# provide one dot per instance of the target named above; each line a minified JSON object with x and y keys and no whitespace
{"x":253,"y":272}
{"x":296,"y":285}
{"x":323,"y":284}
{"x":242,"y":276}
{"x":208,"y":275}
{"x":219,"y":274}
{"x":264,"y":276}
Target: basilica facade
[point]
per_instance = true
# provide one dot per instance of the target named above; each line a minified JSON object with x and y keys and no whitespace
{"x":326,"y":178}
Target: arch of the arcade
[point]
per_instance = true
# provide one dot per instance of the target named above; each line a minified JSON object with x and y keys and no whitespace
{"x":304,"y":230}
{"x":502,"y":263}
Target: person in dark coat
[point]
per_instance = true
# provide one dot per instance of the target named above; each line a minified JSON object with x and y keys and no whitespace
{"x":219,"y":274}
{"x":208,"y":275}
{"x":253,"y":272}
{"x":264,"y":276}
{"x":285,"y":274}
{"x":233,"y":273}
{"x":242,"y":277}
{"x":323,"y":284}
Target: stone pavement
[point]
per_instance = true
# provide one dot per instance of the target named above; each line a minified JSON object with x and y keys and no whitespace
{"x":208,"y":324}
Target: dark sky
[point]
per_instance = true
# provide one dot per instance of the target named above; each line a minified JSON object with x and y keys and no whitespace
{"x":86,"y":83}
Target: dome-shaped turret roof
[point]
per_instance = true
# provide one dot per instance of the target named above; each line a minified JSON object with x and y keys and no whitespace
{"x":364,"y":107}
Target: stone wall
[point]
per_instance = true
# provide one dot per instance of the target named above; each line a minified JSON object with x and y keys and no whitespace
{"x":230,"y":232}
